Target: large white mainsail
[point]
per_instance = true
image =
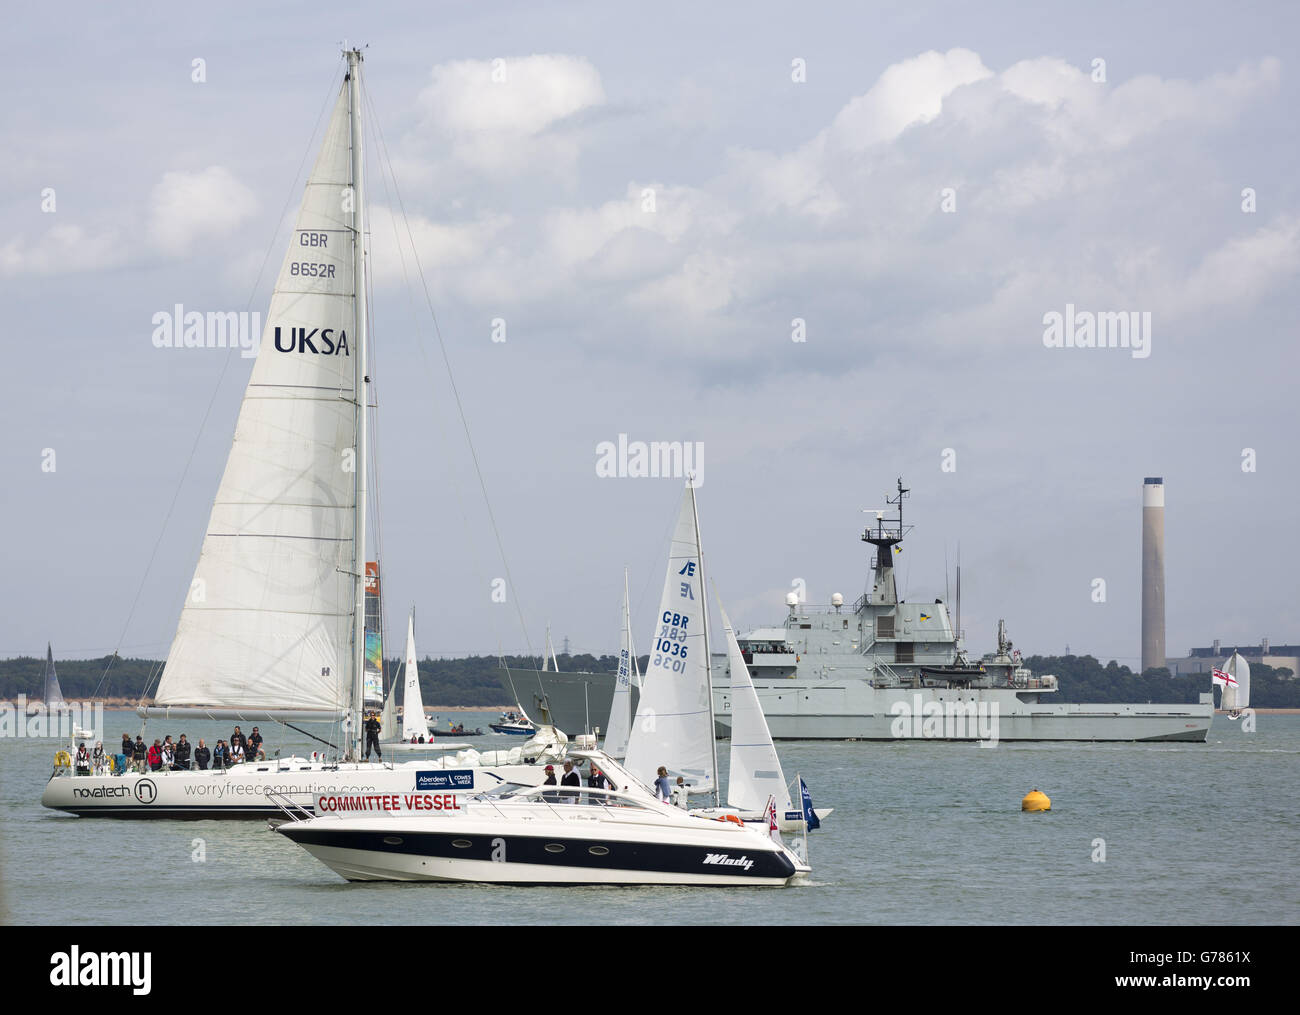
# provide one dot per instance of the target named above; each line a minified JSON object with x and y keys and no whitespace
{"x":755,"y":775}
{"x":620,"y":710}
{"x":413,"y":721}
{"x":1234,"y":678}
{"x":268,"y":625}
{"x":674,"y":717}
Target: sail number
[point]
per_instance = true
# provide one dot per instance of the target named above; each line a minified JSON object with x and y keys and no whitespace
{"x":670,"y":646}
{"x":310,"y":270}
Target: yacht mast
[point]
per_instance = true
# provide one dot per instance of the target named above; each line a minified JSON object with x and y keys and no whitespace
{"x":360,"y":387}
{"x":708,"y":663}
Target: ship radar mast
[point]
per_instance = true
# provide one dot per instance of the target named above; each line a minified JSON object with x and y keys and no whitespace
{"x":884,"y":536}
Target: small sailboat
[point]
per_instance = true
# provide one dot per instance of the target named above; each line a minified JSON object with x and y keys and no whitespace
{"x":674,"y":726}
{"x":416,"y":737}
{"x":629,"y":676}
{"x":52,"y":694}
{"x":1234,"y":679}
{"x":549,"y":660}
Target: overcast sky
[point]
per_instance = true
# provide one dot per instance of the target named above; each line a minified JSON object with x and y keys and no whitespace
{"x":921,"y":187}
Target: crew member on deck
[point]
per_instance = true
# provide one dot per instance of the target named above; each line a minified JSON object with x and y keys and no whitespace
{"x":372,"y":728}
{"x":549,"y":781}
{"x":570,"y":778}
{"x":202,"y":756}
{"x":663,"y":786}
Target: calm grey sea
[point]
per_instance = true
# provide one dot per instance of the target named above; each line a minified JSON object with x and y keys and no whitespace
{"x":923,"y":833}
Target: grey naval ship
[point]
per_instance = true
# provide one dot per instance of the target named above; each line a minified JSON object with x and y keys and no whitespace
{"x":882,"y":669}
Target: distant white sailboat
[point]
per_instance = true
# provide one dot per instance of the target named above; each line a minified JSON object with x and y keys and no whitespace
{"x":629,"y":676}
{"x":1234,"y":679}
{"x":52,"y":694}
{"x":549,"y":661}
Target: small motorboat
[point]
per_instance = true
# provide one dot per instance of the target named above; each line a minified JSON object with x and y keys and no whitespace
{"x":458,"y":730}
{"x":519,"y":834}
{"x":515,"y":724}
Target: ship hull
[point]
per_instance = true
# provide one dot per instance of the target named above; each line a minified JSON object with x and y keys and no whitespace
{"x":853,"y":710}
{"x":578,"y":701}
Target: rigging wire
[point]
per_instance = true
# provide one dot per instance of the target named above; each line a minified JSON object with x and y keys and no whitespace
{"x":419,"y":270}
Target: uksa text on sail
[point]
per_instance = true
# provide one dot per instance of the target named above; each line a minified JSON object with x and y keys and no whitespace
{"x":318,"y":340}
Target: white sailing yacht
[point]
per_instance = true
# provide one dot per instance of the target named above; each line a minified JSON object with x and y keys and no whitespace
{"x":674,"y":725}
{"x":629,"y":676}
{"x":273,"y":627}
{"x":1234,"y":679}
{"x":415,"y":735}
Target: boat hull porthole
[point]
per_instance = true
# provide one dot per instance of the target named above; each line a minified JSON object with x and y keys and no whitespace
{"x":392,"y":840}
{"x":554,"y":847}
{"x":461,"y":843}
{"x":598,"y":850}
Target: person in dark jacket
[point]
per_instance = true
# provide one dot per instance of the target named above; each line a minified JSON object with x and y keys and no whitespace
{"x":550,"y":781}
{"x":141,"y":753}
{"x":202,"y":756}
{"x":183,"y":747}
{"x":253,"y":746}
{"x":219,"y":758}
{"x":372,"y":736}
{"x":238,"y":738}
{"x":128,"y":749}
{"x":570,"y":778}
{"x":597,"y":780}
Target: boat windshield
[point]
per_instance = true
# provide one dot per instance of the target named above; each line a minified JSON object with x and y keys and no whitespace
{"x":503,"y":791}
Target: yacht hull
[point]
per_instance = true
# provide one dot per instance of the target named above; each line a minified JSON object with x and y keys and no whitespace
{"x":250,"y":790}
{"x":373,"y":855}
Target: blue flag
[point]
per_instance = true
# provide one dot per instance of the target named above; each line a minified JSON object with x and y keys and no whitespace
{"x":809,"y":815}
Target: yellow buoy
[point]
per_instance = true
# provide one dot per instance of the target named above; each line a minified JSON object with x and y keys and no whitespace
{"x":1035,"y":801}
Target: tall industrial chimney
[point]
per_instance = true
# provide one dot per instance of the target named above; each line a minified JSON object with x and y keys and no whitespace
{"x":1153,"y":572}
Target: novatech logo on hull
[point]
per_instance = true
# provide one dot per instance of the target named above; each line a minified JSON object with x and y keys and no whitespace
{"x":726,"y":860}
{"x":306,"y":340}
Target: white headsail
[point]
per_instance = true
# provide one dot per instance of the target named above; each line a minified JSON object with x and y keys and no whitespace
{"x":620,"y":710}
{"x":268,"y":621}
{"x":413,"y":721}
{"x":755,"y":774}
{"x":674,"y":718}
{"x":1234,"y":678}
